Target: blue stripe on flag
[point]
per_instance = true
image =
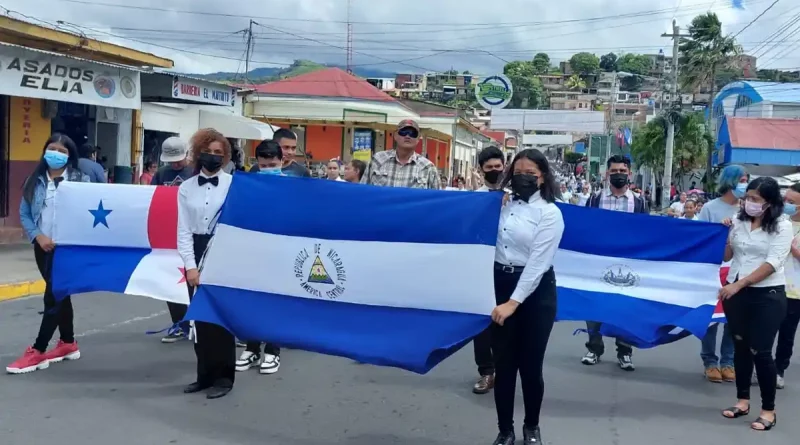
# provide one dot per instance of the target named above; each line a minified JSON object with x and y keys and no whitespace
{"x":78,"y":269}
{"x":304,"y":207}
{"x":641,"y":237}
{"x":411,"y":339}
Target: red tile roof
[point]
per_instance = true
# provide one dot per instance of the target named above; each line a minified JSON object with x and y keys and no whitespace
{"x":498,"y":136}
{"x":330,"y":82}
{"x":775,"y":134}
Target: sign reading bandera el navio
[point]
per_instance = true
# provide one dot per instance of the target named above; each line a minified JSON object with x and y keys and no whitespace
{"x":26,"y":73}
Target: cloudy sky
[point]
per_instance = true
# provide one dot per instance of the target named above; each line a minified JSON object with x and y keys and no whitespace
{"x":204,"y":36}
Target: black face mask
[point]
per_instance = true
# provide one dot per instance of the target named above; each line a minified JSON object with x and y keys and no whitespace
{"x":618,"y":180}
{"x":492,"y":176}
{"x":210,"y":162}
{"x":524,"y":185}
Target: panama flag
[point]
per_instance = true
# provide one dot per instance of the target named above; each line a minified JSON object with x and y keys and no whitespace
{"x":118,"y":238}
{"x":386,"y":276}
{"x":642,"y":283}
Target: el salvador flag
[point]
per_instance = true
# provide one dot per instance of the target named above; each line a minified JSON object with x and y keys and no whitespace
{"x":386,"y":276}
{"x":642,"y":276}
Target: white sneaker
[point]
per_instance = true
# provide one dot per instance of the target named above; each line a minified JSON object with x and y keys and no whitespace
{"x":590,"y":358}
{"x":626,"y":363}
{"x":270,"y":364}
{"x":246,"y":361}
{"x":781,"y":383}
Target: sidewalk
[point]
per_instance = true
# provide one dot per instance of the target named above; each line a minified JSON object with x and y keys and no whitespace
{"x":19,"y":276}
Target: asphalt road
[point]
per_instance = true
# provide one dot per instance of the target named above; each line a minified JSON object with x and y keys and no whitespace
{"x":126,"y":390}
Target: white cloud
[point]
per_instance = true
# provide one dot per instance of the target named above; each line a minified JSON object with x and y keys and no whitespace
{"x":509,"y":29}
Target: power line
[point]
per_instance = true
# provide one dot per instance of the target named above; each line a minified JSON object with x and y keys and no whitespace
{"x":757,"y":17}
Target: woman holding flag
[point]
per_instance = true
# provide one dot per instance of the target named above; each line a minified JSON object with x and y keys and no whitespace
{"x":530,"y":230}
{"x":200,"y":200}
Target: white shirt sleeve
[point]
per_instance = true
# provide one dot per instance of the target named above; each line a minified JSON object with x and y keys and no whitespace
{"x":185,"y":239}
{"x":780,"y":245}
{"x":543,"y":250}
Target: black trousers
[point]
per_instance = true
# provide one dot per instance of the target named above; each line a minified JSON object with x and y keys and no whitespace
{"x":786,"y":334}
{"x":482,"y":346}
{"x":269,"y":348}
{"x":754,"y":316}
{"x":177,"y":311}
{"x":596,"y":344}
{"x":214,"y":346}
{"x":55,"y":316}
{"x":519,"y":347}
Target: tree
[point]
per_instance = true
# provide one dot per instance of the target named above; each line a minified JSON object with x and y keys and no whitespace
{"x":575,"y":83}
{"x":466,"y":72}
{"x":528,"y":90}
{"x":584,"y":63}
{"x":635,"y":63}
{"x":608,"y":62}
{"x":541,"y":63}
{"x":572,"y":159}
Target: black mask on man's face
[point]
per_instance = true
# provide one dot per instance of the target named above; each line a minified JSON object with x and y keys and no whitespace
{"x":618,"y":180}
{"x":492,"y":176}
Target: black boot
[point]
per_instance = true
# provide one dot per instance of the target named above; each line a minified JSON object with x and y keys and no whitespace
{"x":531,"y":435}
{"x":195,"y":387}
{"x":505,"y":439}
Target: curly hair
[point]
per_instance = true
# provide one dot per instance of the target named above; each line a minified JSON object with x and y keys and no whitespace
{"x":202,"y":139}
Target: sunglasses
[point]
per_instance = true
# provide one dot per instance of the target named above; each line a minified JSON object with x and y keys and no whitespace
{"x":408,"y":132}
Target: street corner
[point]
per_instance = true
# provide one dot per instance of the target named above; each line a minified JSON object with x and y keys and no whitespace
{"x":12,"y":291}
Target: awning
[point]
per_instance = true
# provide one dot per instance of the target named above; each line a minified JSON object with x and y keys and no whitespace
{"x":237,"y":127}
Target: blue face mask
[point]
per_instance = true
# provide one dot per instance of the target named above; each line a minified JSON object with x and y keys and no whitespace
{"x":789,"y":209}
{"x":55,"y":159}
{"x":740,"y":190}
{"x":270,"y":171}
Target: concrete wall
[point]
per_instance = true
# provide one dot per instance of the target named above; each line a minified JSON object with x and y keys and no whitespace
{"x":303,"y":108}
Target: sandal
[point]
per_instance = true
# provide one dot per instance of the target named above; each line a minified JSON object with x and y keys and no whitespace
{"x":765,"y":423}
{"x":737,"y":412}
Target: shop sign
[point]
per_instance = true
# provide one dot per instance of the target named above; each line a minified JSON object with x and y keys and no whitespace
{"x":362,"y":145}
{"x":494,"y":92}
{"x":26,"y":73}
{"x":200,"y":91}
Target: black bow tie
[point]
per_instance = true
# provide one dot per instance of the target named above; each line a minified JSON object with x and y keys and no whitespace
{"x":202,"y":180}
{"x":58,"y":180}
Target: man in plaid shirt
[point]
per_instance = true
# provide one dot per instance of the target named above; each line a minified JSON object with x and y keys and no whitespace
{"x":402,"y":167}
{"x":617,"y":197}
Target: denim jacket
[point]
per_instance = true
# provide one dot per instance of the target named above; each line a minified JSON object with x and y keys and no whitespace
{"x":31,"y":212}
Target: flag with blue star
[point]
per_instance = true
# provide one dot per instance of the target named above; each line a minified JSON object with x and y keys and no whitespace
{"x":100,"y":214}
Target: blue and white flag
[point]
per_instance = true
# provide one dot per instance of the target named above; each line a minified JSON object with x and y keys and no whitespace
{"x":641,"y":276}
{"x":386,"y":276}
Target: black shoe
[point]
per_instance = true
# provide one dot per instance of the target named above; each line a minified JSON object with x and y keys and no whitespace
{"x":194,"y":387}
{"x":216,"y":392}
{"x":505,"y":439}
{"x":531,"y":435}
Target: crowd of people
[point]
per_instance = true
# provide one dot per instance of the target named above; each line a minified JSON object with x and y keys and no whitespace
{"x":762,"y":248}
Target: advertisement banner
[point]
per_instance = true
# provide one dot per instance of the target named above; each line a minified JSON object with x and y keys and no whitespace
{"x":362,"y":145}
{"x":27,"y":73}
{"x":200,"y":91}
{"x":494,"y":92}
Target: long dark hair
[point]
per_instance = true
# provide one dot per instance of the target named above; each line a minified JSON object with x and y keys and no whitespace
{"x":29,"y":187}
{"x":548,"y":190}
{"x":769,"y":189}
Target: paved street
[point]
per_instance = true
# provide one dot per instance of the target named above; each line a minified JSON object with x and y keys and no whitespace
{"x":126,"y":390}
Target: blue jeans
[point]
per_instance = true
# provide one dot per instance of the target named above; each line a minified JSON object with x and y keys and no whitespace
{"x":708,"y":351}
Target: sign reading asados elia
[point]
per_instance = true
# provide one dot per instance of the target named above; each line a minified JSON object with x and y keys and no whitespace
{"x":26,"y":73}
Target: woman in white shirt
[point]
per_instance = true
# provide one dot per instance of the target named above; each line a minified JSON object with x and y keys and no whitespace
{"x":525,"y":290}
{"x":755,"y":298}
{"x":200,"y":199}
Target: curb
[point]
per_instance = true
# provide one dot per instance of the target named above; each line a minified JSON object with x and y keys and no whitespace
{"x":12,"y":291}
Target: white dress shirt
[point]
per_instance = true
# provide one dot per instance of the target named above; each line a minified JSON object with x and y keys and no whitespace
{"x":47,"y":220}
{"x":529,"y":235}
{"x":198,"y":209}
{"x":752,"y":248}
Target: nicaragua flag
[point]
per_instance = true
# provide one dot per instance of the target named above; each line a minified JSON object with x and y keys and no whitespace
{"x":386,"y":276}
{"x":117,"y":238}
{"x":641,"y":276}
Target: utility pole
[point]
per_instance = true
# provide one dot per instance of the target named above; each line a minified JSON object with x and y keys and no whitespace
{"x":249,"y":50}
{"x":349,"y":38}
{"x":667,"y":179}
{"x":612,"y":115}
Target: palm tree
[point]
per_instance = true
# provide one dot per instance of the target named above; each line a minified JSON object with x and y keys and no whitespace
{"x":575,"y":83}
{"x":701,"y":56}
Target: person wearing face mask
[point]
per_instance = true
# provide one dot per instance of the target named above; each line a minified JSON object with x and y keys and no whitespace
{"x":617,"y":197}
{"x":788,"y":329}
{"x":200,"y":200}
{"x":754,"y":298}
{"x":732,"y":186}
{"x":529,"y":232}
{"x":270,"y":159}
{"x":59,"y":162}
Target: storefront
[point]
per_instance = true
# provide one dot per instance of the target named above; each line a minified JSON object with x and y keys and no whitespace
{"x":44,"y":92}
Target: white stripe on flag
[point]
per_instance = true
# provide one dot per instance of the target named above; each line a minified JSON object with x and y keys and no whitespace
{"x":159,"y":276}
